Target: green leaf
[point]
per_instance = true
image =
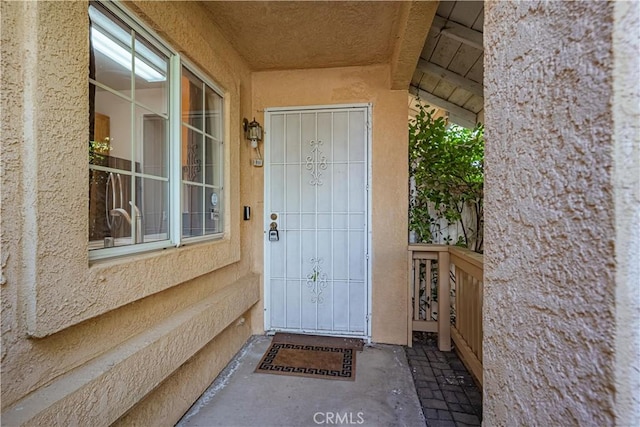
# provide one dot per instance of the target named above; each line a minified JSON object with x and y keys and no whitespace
{"x":447,"y":166}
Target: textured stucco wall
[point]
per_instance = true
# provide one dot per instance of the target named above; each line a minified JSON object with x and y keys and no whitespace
{"x":552,"y":261}
{"x":170,"y":398}
{"x":60,"y":290}
{"x":310,"y":34}
{"x":132,"y":320}
{"x":414,"y":24}
{"x":626,"y":128}
{"x":389,"y":169}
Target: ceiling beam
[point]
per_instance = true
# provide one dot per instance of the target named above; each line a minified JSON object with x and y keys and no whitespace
{"x":457,"y":32}
{"x":415,"y":21}
{"x":457,"y":114}
{"x":451,"y":77}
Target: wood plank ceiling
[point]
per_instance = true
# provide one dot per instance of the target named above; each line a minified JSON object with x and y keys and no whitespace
{"x":449,"y":74}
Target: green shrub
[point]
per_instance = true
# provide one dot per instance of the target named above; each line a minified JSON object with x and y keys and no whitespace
{"x":446,"y":163}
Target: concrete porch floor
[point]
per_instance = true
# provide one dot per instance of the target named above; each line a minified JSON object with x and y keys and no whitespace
{"x":383,"y":394}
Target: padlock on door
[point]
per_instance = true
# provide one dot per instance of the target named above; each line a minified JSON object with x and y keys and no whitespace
{"x":274,"y":236}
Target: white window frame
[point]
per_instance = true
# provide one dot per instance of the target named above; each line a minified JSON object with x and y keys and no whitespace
{"x":174,"y":151}
{"x":220,"y":170}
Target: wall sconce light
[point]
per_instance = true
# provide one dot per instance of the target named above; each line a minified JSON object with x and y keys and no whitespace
{"x":253,"y":132}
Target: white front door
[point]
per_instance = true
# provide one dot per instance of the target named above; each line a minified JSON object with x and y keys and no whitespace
{"x":316,"y":197}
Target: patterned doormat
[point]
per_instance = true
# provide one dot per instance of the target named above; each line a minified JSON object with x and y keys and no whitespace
{"x":311,"y":356}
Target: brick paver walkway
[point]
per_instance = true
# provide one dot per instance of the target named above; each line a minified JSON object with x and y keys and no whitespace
{"x":448,"y":395}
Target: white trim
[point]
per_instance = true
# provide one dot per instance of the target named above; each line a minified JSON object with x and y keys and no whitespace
{"x":140,"y":30}
{"x":174,"y":139}
{"x":126,"y":15}
{"x":97,"y":254}
{"x":202,"y":238}
{"x":369,"y":225}
{"x":349,"y":234}
{"x":175,"y":152}
{"x":128,"y":98}
{"x":133,"y":142}
{"x":323,"y":332}
{"x":110,"y":90}
{"x":208,"y":135}
{"x":199,"y":184}
{"x":195,"y":70}
{"x":333,"y":213}
{"x":222,"y":155}
{"x":334,"y":108}
{"x":268,"y":112}
{"x":339,"y":162}
{"x":128,"y":173}
{"x":267,"y":211}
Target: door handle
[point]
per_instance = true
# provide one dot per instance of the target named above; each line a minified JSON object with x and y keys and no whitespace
{"x":274,"y":236}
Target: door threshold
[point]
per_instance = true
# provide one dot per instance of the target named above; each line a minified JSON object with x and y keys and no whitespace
{"x":272,"y":332}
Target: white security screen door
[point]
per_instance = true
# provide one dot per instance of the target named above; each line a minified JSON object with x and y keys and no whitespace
{"x":316,"y":198}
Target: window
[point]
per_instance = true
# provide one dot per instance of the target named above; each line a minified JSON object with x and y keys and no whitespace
{"x":155,"y":142}
{"x":201,"y":157}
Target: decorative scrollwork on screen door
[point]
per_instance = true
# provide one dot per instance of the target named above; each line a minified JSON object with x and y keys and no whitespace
{"x":316,"y":281}
{"x":316,"y":162}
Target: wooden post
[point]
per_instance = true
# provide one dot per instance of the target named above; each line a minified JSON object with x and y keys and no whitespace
{"x":444,"y":323}
{"x":458,"y":297}
{"x":427,"y":289}
{"x":416,"y":288}
{"x":409,"y":305}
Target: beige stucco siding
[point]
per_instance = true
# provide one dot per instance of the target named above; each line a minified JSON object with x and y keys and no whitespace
{"x":550,"y":265}
{"x":136,"y":319}
{"x":626,"y":179}
{"x":142,"y":336}
{"x":389,"y":169}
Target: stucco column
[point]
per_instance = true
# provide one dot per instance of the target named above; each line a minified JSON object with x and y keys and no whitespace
{"x":626,"y":127}
{"x":561,"y":223}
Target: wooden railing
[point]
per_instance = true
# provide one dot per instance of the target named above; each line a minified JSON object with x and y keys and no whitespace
{"x":445,"y":296}
{"x":429,"y":292}
{"x":466,"y":332}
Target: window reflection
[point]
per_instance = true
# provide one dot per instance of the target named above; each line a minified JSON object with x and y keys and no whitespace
{"x":192,"y":99}
{"x":213,"y":113}
{"x":128,"y":135}
{"x":202,"y":157}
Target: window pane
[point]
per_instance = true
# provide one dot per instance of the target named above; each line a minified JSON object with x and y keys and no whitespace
{"x":98,"y":229}
{"x":151,"y":71}
{"x":192,"y":155}
{"x":213,"y":216}
{"x":118,"y":209}
{"x":213,"y":113}
{"x":191,"y":99}
{"x":192,"y":214}
{"x":153,"y":134}
{"x":130,"y":201}
{"x":110,"y":41}
{"x":110,"y":209}
{"x":213,"y":164}
{"x":154,"y":209}
{"x":111,"y":145}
